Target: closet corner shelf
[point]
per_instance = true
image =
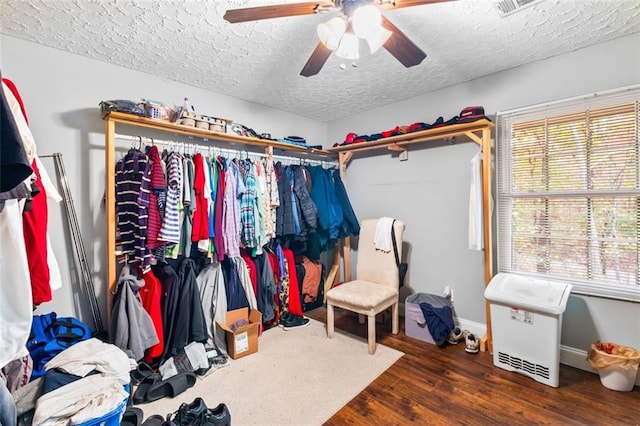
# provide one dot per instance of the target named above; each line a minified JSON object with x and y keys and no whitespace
{"x":149,"y":123}
{"x":470,"y":130}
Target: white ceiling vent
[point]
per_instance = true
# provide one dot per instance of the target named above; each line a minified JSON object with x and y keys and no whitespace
{"x":508,"y":7}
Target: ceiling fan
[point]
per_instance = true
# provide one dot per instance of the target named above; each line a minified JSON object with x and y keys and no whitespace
{"x":356,"y":20}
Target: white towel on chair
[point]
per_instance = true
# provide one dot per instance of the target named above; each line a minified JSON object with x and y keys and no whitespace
{"x":382,"y":237}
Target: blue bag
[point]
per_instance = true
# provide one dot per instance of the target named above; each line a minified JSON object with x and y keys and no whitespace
{"x":51,"y":335}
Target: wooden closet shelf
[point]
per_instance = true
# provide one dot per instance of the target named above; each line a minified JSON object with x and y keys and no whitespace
{"x":149,"y":123}
{"x":463,"y":129}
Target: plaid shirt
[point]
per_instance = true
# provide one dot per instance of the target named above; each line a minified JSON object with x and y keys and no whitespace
{"x":248,"y":202}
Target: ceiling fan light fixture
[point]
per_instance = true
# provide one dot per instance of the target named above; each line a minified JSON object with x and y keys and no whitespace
{"x":349,"y":47}
{"x":366,"y":20}
{"x":330,"y":33}
{"x":378,"y":39}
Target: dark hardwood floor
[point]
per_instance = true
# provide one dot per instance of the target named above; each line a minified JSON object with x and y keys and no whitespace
{"x":442,"y":386}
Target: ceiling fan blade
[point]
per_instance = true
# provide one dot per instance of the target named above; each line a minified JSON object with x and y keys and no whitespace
{"x":399,"y":45}
{"x":408,"y":3}
{"x":274,"y":11}
{"x":316,"y":60}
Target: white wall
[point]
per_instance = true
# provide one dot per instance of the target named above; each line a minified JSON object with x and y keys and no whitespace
{"x":430,"y":190}
{"x":61,"y":93}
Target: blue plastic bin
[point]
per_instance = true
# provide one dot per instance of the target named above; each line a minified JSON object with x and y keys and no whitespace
{"x":112,"y":418}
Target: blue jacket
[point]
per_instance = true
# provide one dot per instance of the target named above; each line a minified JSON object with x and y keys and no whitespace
{"x":350,"y":224}
{"x":323,"y":194}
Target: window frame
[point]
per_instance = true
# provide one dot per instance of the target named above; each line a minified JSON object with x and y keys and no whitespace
{"x":554,"y":113}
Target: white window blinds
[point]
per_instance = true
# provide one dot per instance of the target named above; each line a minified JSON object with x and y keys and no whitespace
{"x":568,"y":191}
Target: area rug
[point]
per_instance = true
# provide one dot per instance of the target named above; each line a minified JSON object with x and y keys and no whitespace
{"x":297,"y":377}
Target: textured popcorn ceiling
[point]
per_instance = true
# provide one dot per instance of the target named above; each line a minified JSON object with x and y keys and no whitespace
{"x":261,"y":61}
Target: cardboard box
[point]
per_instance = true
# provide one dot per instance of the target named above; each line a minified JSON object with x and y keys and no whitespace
{"x":242,"y":340}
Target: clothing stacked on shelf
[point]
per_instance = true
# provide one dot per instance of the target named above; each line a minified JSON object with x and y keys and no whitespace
{"x":201,"y":235}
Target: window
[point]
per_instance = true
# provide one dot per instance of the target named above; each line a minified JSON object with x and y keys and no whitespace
{"x":568,"y":192}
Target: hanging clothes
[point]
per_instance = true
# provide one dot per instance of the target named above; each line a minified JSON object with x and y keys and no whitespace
{"x":231,"y":212}
{"x":151,"y":297}
{"x":168,"y":302}
{"x":263,"y":219}
{"x":189,"y":206}
{"x":211,"y":177}
{"x":294,"y":303}
{"x":272,"y":197}
{"x":158,"y":189}
{"x":189,"y":324}
{"x":285,"y":226}
{"x":298,"y":225}
{"x":266,"y":288}
{"x":476,"y":225}
{"x":312,"y":279}
{"x":131,"y":328}
{"x":35,"y":219}
{"x":330,"y":214}
{"x":214,"y":303}
{"x":307,"y":206}
{"x":350,"y":224}
{"x":132,"y":203}
{"x":170,"y":229}
{"x":218,"y":239}
{"x":201,"y":216}
{"x":236,"y":295}
{"x":248,"y":204}
{"x":174,"y":250}
{"x":246,"y":281}
{"x":15,"y":292}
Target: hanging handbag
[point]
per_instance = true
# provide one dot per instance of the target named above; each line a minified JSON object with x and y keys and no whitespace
{"x":402,"y":266}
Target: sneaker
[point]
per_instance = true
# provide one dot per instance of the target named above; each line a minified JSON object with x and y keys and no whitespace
{"x":295,"y":321}
{"x":455,"y":336}
{"x":188,"y":413}
{"x":284,"y":318}
{"x":217,"y":416}
{"x":472,"y":343}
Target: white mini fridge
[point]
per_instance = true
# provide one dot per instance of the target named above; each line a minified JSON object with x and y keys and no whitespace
{"x":526,"y":323}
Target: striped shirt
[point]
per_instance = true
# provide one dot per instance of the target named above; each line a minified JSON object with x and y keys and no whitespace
{"x":170,"y":230}
{"x":133,"y":185}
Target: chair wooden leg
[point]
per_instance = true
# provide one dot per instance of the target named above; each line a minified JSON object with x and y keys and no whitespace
{"x":371,"y":327}
{"x":394,"y":318}
{"x":330,"y":320}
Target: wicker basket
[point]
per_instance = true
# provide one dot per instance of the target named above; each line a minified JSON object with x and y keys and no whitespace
{"x":217,"y":124}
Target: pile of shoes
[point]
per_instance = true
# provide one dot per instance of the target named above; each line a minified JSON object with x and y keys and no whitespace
{"x":472,"y":344}
{"x":198,"y":414}
{"x":194,"y":414}
{"x":154,"y":387}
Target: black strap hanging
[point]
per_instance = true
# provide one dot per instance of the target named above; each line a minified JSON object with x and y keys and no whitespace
{"x":402,"y":266}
